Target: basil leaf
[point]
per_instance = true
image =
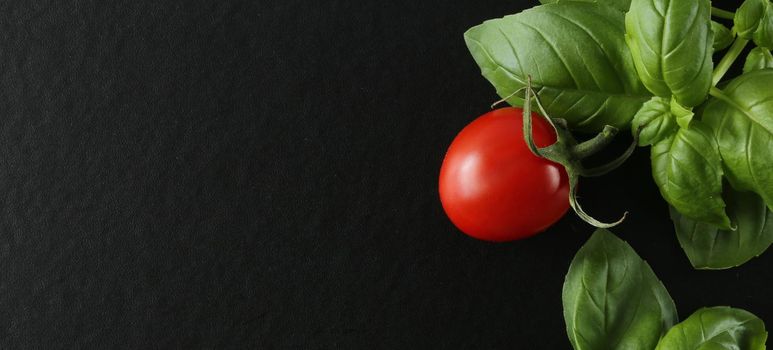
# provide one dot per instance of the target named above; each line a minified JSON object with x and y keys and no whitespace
{"x":576,"y":56}
{"x":612,"y":299}
{"x":654,"y":121}
{"x":671,"y":43}
{"x":763,"y":36}
{"x":758,"y":58}
{"x":742,"y":120}
{"x":709,"y":247}
{"x":717,"y":328}
{"x":747,"y":17}
{"x":754,"y":21}
{"x":688,"y":170}
{"x":621,"y":5}
{"x":723,"y":37}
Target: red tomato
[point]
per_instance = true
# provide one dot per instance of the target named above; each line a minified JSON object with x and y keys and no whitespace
{"x":493,"y":188}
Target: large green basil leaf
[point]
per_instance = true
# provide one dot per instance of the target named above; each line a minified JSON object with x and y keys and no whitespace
{"x":612,"y":299}
{"x":709,"y":247}
{"x":688,"y":170}
{"x":654,"y":121}
{"x":723,"y":37}
{"x":717,"y":328}
{"x":576,"y":55}
{"x":621,"y":5}
{"x":671,"y":43}
{"x":742,"y":120}
{"x":758,"y":58}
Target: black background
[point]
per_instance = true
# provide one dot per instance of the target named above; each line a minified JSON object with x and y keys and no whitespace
{"x":236,"y":174}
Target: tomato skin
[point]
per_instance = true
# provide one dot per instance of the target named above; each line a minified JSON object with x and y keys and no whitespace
{"x":493,"y":188}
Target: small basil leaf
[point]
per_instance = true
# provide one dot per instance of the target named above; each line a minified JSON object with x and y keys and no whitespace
{"x":683,"y":115}
{"x":688,"y":170}
{"x":606,"y":282}
{"x":763,"y":36}
{"x":723,"y":37}
{"x":621,"y":5}
{"x":758,"y":58}
{"x":709,"y":247}
{"x":717,"y":328}
{"x":742,"y":121}
{"x":671,"y":43}
{"x":576,"y":55}
{"x":654,"y":121}
{"x":747,"y":17}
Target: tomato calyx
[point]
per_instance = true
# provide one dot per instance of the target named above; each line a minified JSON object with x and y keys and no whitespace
{"x":570,"y":153}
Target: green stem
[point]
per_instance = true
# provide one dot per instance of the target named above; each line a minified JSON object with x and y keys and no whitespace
{"x":596,"y":144}
{"x":730,"y":56}
{"x":568,"y":153}
{"x":541,"y":107}
{"x":720,"y":95}
{"x":716,"y":92}
{"x":720,"y":13}
{"x":580,"y":212}
{"x":504,"y":99}
{"x":603,"y":169}
{"x":527,"y":130}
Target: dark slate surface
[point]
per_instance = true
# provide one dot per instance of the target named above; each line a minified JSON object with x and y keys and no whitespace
{"x":262,"y":174}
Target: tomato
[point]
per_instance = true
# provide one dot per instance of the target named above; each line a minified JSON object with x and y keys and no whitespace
{"x":493,"y":188}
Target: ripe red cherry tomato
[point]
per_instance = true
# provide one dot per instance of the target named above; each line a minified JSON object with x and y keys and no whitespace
{"x":493,"y":188}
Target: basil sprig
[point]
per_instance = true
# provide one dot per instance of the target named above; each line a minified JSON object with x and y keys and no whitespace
{"x":647,"y":65}
{"x":613,"y":300}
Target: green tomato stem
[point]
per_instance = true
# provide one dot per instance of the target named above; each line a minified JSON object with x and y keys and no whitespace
{"x":573,"y":179}
{"x":504,"y":99}
{"x":720,"y":13}
{"x":603,"y":169}
{"x":730,"y":56}
{"x":596,"y":144}
{"x":567,"y":152}
{"x":527,"y":130}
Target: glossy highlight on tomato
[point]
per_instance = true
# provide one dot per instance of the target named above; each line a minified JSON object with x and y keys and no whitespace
{"x":493,"y":188}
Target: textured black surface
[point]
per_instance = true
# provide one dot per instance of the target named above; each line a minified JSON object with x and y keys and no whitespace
{"x":236,"y":174}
